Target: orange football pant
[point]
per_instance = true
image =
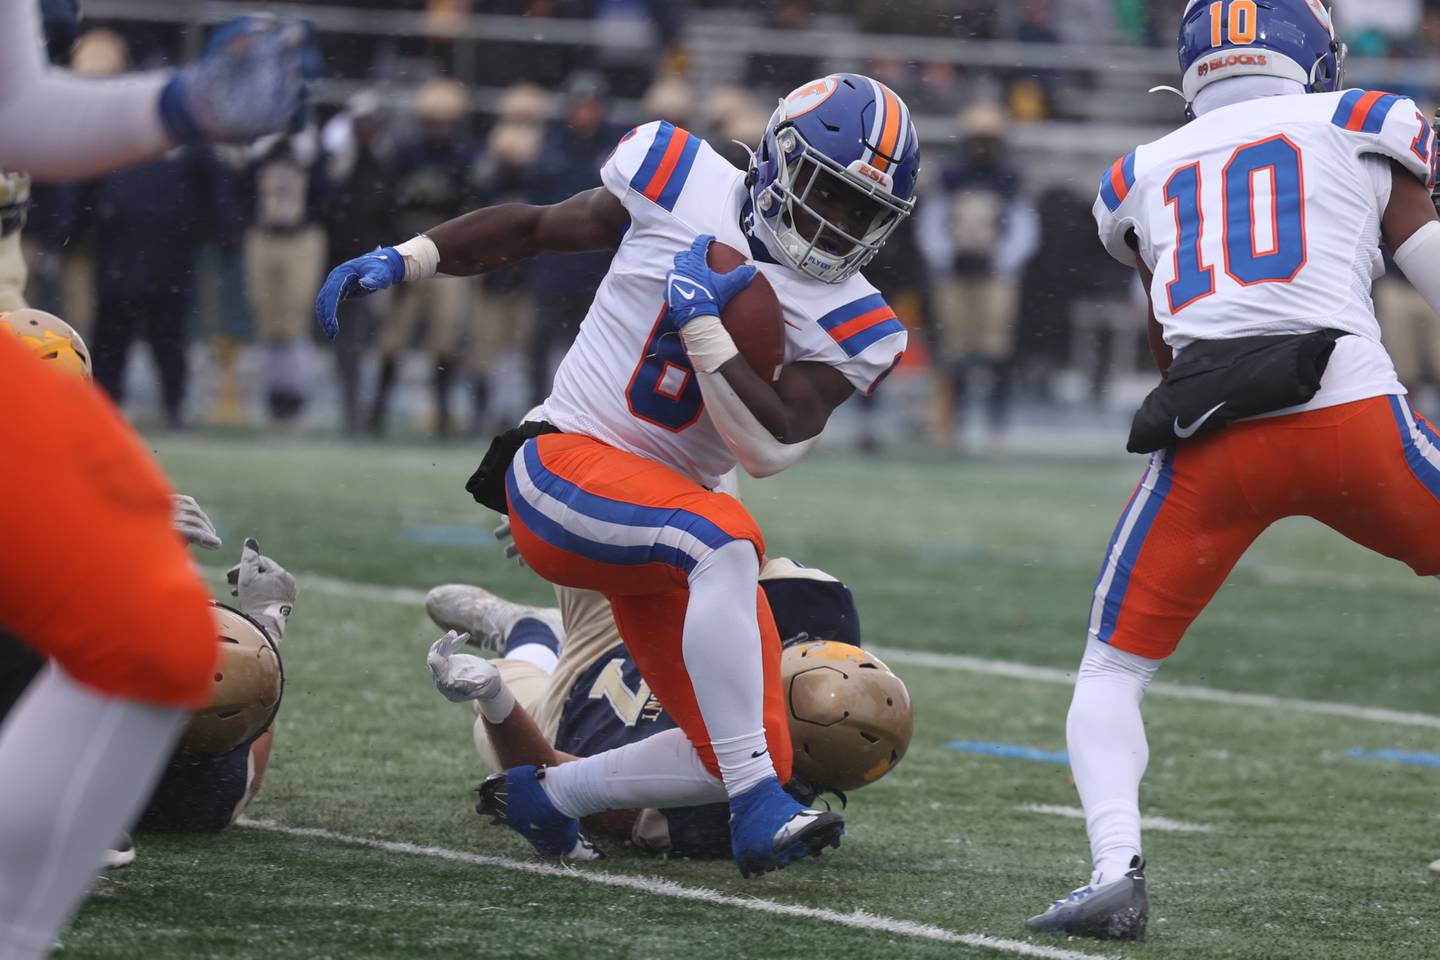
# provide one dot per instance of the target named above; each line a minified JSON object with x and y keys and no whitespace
{"x":92,"y":572}
{"x":1369,"y":470}
{"x":589,"y":516}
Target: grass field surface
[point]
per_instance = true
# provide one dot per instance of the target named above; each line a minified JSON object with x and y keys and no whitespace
{"x":1306,"y":836}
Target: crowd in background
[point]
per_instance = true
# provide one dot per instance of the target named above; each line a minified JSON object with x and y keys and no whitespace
{"x":218,"y":254}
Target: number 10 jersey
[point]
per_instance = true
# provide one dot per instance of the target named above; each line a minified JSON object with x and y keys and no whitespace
{"x":1263,"y":218}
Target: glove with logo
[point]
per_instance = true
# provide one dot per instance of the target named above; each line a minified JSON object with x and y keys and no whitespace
{"x":265,"y":590}
{"x":381,"y":268}
{"x":693,"y":290}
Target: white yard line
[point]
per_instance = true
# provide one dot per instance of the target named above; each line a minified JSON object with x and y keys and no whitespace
{"x":1161,"y":824}
{"x":659,"y":886}
{"x":1025,"y":671}
{"x":961,"y":664}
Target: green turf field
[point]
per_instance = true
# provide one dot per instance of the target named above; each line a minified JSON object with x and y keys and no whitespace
{"x":1310,"y":852}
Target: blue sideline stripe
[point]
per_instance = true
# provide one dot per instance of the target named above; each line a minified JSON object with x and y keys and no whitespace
{"x":1396,"y":756}
{"x":1008,"y":751}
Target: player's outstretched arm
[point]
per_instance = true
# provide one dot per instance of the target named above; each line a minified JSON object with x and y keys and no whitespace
{"x":1412,"y":231}
{"x":767,"y":427}
{"x":59,"y":126}
{"x":477,"y":242}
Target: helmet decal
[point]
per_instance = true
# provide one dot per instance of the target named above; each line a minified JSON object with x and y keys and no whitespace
{"x":810,"y":96}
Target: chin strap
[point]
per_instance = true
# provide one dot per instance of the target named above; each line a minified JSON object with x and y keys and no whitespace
{"x":1165,"y":88}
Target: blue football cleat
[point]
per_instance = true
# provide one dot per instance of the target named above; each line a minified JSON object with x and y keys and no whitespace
{"x":1118,"y":910}
{"x":769,"y":830}
{"x":516,"y":799}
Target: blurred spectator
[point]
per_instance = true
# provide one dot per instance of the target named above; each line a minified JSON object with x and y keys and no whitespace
{"x":1410,"y":331}
{"x":631,"y":38}
{"x":501,"y":339}
{"x":900,"y":272}
{"x":433,"y":183}
{"x":671,"y":98}
{"x":148,"y":223}
{"x":360,"y":216}
{"x":978,"y":234}
{"x":735,"y":123}
{"x":776,"y":74}
{"x":1370,"y":28}
{"x":285,"y":261}
{"x":1032,"y":92}
{"x":570,"y":162}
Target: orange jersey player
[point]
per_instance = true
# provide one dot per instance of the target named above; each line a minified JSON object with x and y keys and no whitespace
{"x":652,"y":405}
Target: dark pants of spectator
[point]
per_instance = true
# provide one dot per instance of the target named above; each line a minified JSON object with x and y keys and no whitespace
{"x":558,"y":314}
{"x":162,"y":319}
{"x":358,"y":319}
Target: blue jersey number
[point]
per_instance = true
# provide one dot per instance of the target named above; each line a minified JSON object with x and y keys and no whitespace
{"x":663,"y":389}
{"x":1193,"y":280}
{"x":1279,"y":258}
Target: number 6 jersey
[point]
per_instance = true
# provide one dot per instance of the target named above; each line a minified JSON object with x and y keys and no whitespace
{"x":1263,"y":217}
{"x":627,"y":381}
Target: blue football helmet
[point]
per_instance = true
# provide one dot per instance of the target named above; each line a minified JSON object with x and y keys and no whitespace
{"x":1293,"y":39}
{"x":835,"y":174}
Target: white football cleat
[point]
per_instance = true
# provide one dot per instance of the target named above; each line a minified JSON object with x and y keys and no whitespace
{"x":122,"y":854}
{"x":1435,"y":869}
{"x":487,"y":618}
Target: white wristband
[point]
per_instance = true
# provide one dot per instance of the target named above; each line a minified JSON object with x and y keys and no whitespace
{"x":708,"y":343}
{"x":421,"y":256}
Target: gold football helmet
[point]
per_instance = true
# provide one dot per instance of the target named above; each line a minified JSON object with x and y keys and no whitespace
{"x":50,"y":338}
{"x":249,"y":680}
{"x":850,"y":717}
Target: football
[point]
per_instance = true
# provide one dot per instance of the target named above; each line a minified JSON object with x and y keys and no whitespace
{"x":753,"y":316}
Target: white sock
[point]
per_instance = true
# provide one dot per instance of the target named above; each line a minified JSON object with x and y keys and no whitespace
{"x":76,"y":767}
{"x":722,"y":656}
{"x":542,"y":657}
{"x":1108,"y":752}
{"x":660,"y":771}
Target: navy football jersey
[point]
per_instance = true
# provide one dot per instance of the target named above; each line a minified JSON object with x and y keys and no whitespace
{"x":610,"y":705}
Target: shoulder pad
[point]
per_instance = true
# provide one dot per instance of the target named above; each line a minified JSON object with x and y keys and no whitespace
{"x":652,"y":161}
{"x":1389,"y":125}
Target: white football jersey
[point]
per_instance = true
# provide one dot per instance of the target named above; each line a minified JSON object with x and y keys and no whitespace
{"x":627,"y":380}
{"x":1263,"y":218}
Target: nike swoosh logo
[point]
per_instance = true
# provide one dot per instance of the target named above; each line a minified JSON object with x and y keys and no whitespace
{"x":1185,"y":433}
{"x":759,"y":753}
{"x":687,"y":294}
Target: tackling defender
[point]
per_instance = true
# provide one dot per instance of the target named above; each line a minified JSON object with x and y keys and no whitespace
{"x":653,"y":404}
{"x":1257,"y":231}
{"x":589,"y":702}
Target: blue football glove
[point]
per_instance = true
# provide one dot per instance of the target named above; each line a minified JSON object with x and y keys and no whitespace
{"x":383,"y":267}
{"x":693,"y":290}
{"x":250,"y":81}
